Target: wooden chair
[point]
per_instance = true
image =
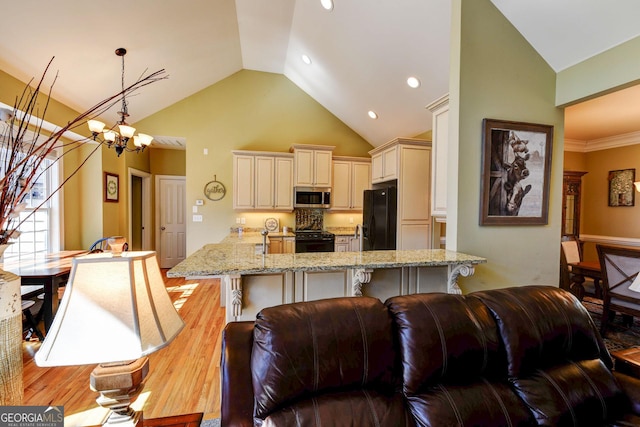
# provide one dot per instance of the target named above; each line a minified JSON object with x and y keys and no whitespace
{"x":571,"y":252}
{"x":620,"y":267}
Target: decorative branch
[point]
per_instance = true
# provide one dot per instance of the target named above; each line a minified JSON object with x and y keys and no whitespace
{"x":22,"y":154}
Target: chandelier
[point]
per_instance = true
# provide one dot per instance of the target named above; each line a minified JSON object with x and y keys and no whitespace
{"x":119,"y":140}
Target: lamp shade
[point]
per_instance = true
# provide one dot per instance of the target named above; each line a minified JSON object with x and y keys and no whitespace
{"x":115,"y":308}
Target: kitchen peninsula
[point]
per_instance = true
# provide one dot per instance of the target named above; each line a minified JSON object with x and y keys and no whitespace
{"x":252,"y":281}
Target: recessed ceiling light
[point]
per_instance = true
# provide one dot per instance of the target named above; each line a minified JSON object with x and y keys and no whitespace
{"x":327,"y":4}
{"x":306,"y":59}
{"x":372,"y":114}
{"x":413,"y":82}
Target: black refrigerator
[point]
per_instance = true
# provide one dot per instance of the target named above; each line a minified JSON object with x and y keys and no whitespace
{"x":379,"y":219}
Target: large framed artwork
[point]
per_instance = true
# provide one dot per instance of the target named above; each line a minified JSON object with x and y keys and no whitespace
{"x":516,"y":169}
{"x":111,"y":187}
{"x":621,"y":189}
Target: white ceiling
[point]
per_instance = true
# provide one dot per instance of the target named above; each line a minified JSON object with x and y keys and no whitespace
{"x":362,"y":51}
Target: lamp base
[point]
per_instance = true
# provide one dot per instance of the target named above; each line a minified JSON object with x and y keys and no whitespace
{"x":119,"y":384}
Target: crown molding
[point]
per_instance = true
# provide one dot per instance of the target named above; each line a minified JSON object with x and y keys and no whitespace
{"x":616,"y":141}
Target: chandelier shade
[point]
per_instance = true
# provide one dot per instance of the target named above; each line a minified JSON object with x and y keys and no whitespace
{"x":119,"y":139}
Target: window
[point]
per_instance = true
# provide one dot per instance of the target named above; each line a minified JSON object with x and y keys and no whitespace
{"x":40,"y":230}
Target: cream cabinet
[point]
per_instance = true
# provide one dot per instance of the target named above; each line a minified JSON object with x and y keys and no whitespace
{"x":440,"y":132}
{"x":384,"y":165}
{"x":262,"y":181}
{"x":411,"y":160}
{"x":282,"y":245}
{"x":342,"y":244}
{"x":312,"y":165}
{"x":351,"y":176}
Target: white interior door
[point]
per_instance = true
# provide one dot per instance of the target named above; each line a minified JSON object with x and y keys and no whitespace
{"x":171,"y":220}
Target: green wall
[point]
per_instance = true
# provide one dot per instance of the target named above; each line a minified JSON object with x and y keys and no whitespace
{"x":500,"y":76}
{"x":249,"y":110}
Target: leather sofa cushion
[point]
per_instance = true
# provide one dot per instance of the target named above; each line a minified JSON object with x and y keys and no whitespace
{"x":573,"y":394}
{"x":542,"y":326}
{"x":480,"y":403}
{"x":352,"y":408}
{"x":445,"y":337}
{"x":336,"y":344}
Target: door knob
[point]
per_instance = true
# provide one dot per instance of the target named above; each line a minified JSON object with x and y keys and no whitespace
{"x":162,"y":228}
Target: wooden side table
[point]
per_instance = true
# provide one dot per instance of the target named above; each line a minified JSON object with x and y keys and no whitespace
{"x":627,"y":361}
{"x":185,"y":420}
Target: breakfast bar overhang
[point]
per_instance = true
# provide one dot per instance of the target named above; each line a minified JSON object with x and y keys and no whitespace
{"x":251,"y":281}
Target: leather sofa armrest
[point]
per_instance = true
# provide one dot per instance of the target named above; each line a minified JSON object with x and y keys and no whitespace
{"x":631,"y":387}
{"x":236,"y":406}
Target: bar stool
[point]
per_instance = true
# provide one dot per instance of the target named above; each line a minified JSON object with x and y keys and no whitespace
{"x":31,"y":324}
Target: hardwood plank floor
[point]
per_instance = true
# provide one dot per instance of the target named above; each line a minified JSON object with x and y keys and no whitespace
{"x":184,"y":377}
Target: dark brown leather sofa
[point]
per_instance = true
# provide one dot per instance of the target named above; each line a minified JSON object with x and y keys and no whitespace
{"x":520,"y":356}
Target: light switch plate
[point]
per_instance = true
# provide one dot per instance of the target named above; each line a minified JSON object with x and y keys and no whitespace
{"x":197,"y":218}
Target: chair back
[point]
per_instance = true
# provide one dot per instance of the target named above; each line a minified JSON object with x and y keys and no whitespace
{"x":620,"y":268}
{"x":571,"y":251}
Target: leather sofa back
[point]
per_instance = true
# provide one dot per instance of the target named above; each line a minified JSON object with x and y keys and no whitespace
{"x":557,"y":362}
{"x":317,"y":359}
{"x":453,"y":362}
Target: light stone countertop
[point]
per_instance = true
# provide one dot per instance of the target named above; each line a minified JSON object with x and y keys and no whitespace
{"x":236,"y":255}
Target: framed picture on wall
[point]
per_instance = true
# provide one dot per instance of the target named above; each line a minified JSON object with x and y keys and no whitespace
{"x":621,"y":189}
{"x":111,"y":187}
{"x":516,"y":170}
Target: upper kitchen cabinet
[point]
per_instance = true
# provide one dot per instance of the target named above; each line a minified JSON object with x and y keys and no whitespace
{"x":384,"y":164}
{"x":312,"y":165}
{"x":262,"y":181}
{"x":440,"y":133}
{"x":351,"y":176}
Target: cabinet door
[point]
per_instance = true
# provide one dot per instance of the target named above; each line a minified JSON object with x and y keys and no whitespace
{"x":243,"y":182}
{"x":354,"y":244}
{"x":376,"y":168}
{"x":275,"y":245}
{"x":360,"y":181}
{"x":283,"y":193}
{"x":304,"y":168}
{"x":264,"y":185}
{"x":390,"y":163}
{"x":341,"y":194}
{"x":414,"y":184}
{"x":322,"y":163}
{"x":289,"y":245}
{"x":414,"y":236}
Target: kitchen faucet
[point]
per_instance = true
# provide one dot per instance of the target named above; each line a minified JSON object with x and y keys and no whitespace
{"x":358,"y":235}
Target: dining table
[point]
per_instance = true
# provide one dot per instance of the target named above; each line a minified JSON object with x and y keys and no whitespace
{"x":583,"y":269}
{"x":49,"y":270}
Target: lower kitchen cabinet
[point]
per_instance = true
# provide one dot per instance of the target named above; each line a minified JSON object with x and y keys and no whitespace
{"x":282,"y":245}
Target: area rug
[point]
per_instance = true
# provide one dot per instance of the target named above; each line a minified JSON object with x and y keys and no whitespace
{"x":620,"y":335}
{"x":212,"y":422}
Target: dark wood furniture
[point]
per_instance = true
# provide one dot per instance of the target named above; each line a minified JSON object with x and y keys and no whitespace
{"x":580,"y":271}
{"x":620,"y":268}
{"x":49,"y":270}
{"x":627,"y":361}
{"x":186,"y":420}
{"x":571,"y":194}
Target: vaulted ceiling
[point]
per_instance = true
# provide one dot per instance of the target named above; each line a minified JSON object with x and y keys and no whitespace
{"x":361,"y":52}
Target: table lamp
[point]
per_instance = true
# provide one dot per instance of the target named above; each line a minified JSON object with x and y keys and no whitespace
{"x":114,"y":312}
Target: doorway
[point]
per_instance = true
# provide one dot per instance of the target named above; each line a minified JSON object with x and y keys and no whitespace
{"x":171,"y":225}
{"x":139,"y":210}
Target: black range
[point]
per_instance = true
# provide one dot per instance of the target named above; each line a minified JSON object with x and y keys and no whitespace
{"x":314,"y":241}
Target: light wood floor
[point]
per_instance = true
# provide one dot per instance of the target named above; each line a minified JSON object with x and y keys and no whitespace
{"x":183,"y":377}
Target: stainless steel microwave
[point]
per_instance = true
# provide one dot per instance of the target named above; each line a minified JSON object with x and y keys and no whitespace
{"x":309,"y":197}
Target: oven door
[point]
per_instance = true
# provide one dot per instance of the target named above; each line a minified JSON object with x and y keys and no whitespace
{"x":315,"y":245}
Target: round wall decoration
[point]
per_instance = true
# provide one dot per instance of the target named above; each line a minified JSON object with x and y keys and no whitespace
{"x":272,"y":225}
{"x":214,"y":190}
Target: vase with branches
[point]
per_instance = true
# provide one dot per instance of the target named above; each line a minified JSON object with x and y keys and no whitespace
{"x":27,"y":150}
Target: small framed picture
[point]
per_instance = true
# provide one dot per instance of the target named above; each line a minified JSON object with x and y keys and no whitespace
{"x":111,"y":187}
{"x":621,"y":189}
